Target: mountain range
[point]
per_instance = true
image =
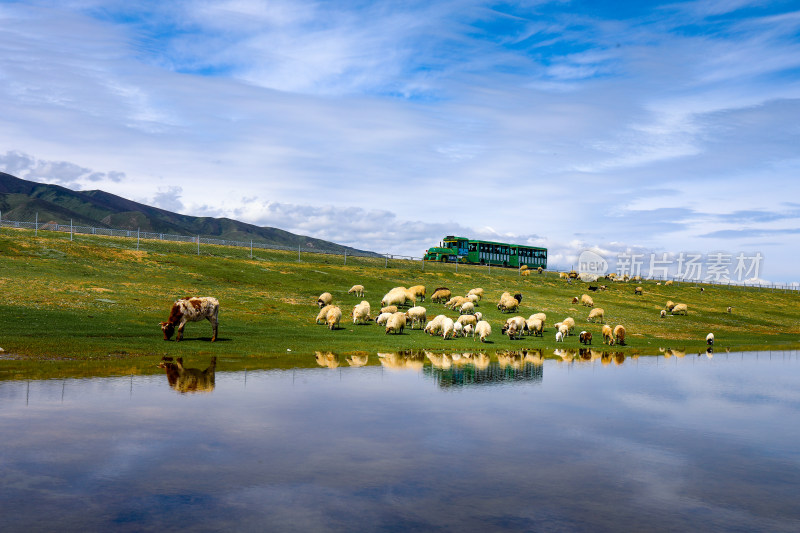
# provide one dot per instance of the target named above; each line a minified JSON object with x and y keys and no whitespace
{"x":21,"y":200}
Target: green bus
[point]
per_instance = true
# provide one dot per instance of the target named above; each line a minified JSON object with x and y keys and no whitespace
{"x":476,"y":252}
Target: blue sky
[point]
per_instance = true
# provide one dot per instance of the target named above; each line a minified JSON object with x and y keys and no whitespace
{"x":647,"y":127}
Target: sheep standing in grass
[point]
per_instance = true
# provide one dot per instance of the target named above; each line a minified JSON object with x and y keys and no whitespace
{"x":710,"y":339}
{"x":637,"y":291}
{"x":540,"y":316}
{"x":383,"y":318}
{"x":416,"y":315}
{"x":441,"y":295}
{"x":535,"y":327}
{"x":670,"y":305}
{"x":397,"y":297}
{"x":483,"y":330}
{"x":467,"y":308}
{"x":508,"y":303}
{"x":474,"y":298}
{"x":467,"y":319}
{"x":680,"y":309}
{"x":469,"y":330}
{"x":396,"y":323}
{"x":324,"y":299}
{"x":570,"y":323}
{"x":668,"y":282}
{"x":448,"y":328}
{"x":457,"y":329}
{"x":477,"y":292}
{"x":517,"y":324}
{"x":619,"y":334}
{"x":357,"y":289}
{"x":608,"y":335}
{"x":361,"y":313}
{"x":597,"y":314}
{"x":663,"y":313}
{"x":389,"y":309}
{"x":333,"y":318}
{"x":322,"y":317}
{"x":587,"y":300}
{"x":418,"y":291}
{"x":559,"y":337}
{"x":455,"y":302}
{"x":563,"y":329}
{"x":434,"y":327}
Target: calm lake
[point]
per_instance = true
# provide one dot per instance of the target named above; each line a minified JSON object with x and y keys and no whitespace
{"x":449,"y":443}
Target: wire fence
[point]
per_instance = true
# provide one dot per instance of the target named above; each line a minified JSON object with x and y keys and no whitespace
{"x":159,"y":242}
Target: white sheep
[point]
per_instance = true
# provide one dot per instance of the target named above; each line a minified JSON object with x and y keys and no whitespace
{"x":333,"y":317}
{"x":397,"y":297}
{"x":455,"y":301}
{"x":478,"y":316}
{"x":474,"y":298}
{"x":396,"y":323}
{"x":483,"y":330}
{"x":417,"y":291}
{"x":710,"y":339}
{"x":467,"y":319}
{"x":570,"y":323}
{"x":382,"y":318}
{"x":441,"y":295}
{"x":416,"y":315}
{"x":587,"y":300}
{"x":476,"y":292}
{"x":559,"y":337}
{"x":322,"y":317}
{"x":619,"y":334}
{"x":361,"y":312}
{"x":457,"y":329}
{"x":357,"y":289}
{"x":608,"y":335}
{"x":517,"y":324}
{"x":597,"y":314}
{"x":469,"y":330}
{"x":324,"y":299}
{"x":663,"y":313}
{"x":448,"y":328}
{"x":563,"y":329}
{"x":680,"y":309}
{"x":467,"y":308}
{"x":434,"y":327}
{"x":389,"y":309}
{"x":535,"y":327}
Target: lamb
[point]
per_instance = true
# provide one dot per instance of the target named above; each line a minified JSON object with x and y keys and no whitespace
{"x":357,"y":289}
{"x":608,"y":335}
{"x":619,"y":334}
{"x":417,"y":314}
{"x":333,"y":317}
{"x":585,"y":337}
{"x":382,"y":318}
{"x":448,"y":328}
{"x":710,"y":339}
{"x":680,"y":309}
{"x":418,"y":291}
{"x":563,"y":329}
{"x":535,"y":327}
{"x":324,"y":299}
{"x":663,"y":313}
{"x":389,"y":309}
{"x":469,"y":330}
{"x":477,"y":292}
{"x":570,"y":323}
{"x":559,"y":337}
{"x":574,"y":299}
{"x":441,"y":295}
{"x":483,"y":330}
{"x":396,"y":323}
{"x":587,"y":300}
{"x":361,"y":312}
{"x":191,"y":310}
{"x":670,"y":305}
{"x":467,"y":308}
{"x":597,"y":314}
{"x":323,"y":314}
{"x":637,"y":291}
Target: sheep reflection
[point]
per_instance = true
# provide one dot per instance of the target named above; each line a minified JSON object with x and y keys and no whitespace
{"x":403,"y":360}
{"x":327,"y":359}
{"x":186,"y":380}
{"x":357,"y":360}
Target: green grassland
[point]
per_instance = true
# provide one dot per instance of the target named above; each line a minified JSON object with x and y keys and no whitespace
{"x":99,"y":300}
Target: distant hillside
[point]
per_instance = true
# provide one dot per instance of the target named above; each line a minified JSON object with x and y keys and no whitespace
{"x":21,"y":200}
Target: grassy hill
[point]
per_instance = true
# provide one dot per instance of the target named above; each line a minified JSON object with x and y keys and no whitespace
{"x":22,"y":200}
{"x":96,"y":301}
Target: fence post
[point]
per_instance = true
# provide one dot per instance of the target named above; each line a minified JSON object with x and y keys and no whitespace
{"x":251,"y":248}
{"x":345,"y":257}
{"x":36,"y":225}
{"x":298,"y":253}
{"x":137,"y":239}
{"x":70,"y":229}
{"x":423,"y":264}
{"x":386,"y":264}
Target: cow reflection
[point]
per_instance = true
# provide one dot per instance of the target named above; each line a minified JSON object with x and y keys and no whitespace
{"x":327,"y":359}
{"x":186,"y":380}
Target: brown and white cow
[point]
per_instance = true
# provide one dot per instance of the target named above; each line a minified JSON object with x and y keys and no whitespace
{"x":191,"y":309}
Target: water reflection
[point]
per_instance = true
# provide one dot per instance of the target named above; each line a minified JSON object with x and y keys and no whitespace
{"x":403,"y":360}
{"x":463,"y":369}
{"x":186,"y":380}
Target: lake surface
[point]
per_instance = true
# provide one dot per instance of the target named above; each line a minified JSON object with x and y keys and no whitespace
{"x":417,"y":443}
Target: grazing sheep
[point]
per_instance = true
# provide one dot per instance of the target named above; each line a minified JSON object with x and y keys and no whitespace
{"x":469,"y":330}
{"x":702,"y":289}
{"x":570,"y":323}
{"x":517,"y":324}
{"x":540,"y":270}
{"x":508,"y":303}
{"x":680,"y":309}
{"x":448,"y":328}
{"x":324,"y":299}
{"x":441,"y":295}
{"x":730,"y":309}
{"x":668,"y":282}
{"x":637,"y":291}
{"x":383,"y":318}
{"x":389,"y":309}
{"x":478,"y":316}
{"x":398,"y":296}
{"x":574,"y":299}
{"x":357,"y":289}
{"x":663,"y":313}
{"x":710,"y":339}
{"x":455,"y":301}
{"x":619,"y":334}
{"x":608,"y":335}
{"x":603,"y":287}
{"x":396,"y":323}
{"x":322,"y":317}
{"x":467,"y":319}
{"x":467,"y":308}
{"x":585,"y":337}
{"x":477,"y":292}
{"x":417,"y":314}
{"x":191,"y":310}
{"x":559,"y":337}
{"x":333,"y":318}
{"x":597,"y":314}
{"x":535,"y":327}
{"x":361,"y":313}
{"x":434,"y":327}
{"x":474,"y":298}
{"x":563,"y":329}
{"x":587,"y":300}
{"x":563,"y":275}
{"x":483,"y":330}
{"x":418,"y":291}
{"x":670,"y":305}
{"x":458,"y":329}
{"x":540,"y":316}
